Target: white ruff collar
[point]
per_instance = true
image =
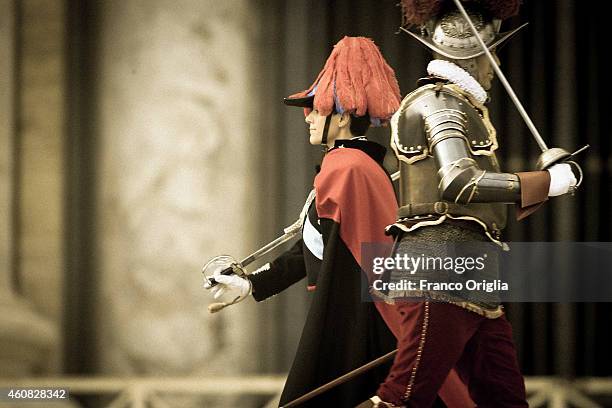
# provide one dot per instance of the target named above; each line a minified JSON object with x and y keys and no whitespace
{"x":458,"y":76}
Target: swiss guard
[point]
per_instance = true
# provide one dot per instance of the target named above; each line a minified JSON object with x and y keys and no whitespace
{"x":453,"y":191}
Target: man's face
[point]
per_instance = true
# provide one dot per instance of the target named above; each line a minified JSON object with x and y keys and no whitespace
{"x":486,"y":73}
{"x":316,"y":125}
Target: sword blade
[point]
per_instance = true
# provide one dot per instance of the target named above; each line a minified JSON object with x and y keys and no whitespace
{"x":291,"y":232}
{"x":534,"y":131}
{"x":342,"y":379}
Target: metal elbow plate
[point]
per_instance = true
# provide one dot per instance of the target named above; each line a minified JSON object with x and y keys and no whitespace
{"x":459,"y":180}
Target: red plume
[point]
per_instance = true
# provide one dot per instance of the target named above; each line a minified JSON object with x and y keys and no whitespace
{"x":418,"y":12}
{"x":502,"y":9}
{"x":357,"y":79}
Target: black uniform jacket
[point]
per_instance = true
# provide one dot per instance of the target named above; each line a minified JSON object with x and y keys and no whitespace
{"x":354,"y":203}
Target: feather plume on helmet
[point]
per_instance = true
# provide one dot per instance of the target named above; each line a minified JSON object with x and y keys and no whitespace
{"x":355,"y":79}
{"x":418,"y":12}
{"x":443,"y":30}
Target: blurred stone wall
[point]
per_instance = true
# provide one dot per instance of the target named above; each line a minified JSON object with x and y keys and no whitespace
{"x":175,"y":183}
{"x":31,"y":180}
{"x":6,"y":145}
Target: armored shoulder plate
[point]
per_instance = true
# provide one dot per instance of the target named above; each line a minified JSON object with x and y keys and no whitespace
{"x":435,"y":112}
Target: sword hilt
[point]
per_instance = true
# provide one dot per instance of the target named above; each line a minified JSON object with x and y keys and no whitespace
{"x":557,"y":155}
{"x":233,"y":269}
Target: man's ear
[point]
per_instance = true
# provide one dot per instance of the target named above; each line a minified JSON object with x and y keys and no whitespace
{"x":345,"y":119}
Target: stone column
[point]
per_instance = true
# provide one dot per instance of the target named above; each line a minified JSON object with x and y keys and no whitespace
{"x":26,"y":337}
{"x":175,"y":182}
{"x":6,"y":146}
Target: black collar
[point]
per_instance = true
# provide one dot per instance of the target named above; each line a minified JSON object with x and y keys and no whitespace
{"x":374,"y":150}
{"x":431,"y":79}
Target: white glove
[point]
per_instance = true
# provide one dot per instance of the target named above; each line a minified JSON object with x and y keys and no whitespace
{"x":233,"y":284}
{"x":561,"y":179}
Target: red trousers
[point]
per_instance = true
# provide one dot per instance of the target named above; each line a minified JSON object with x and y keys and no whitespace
{"x":447,"y":336}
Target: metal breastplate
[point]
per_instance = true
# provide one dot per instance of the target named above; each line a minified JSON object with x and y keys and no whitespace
{"x":419,"y":193}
